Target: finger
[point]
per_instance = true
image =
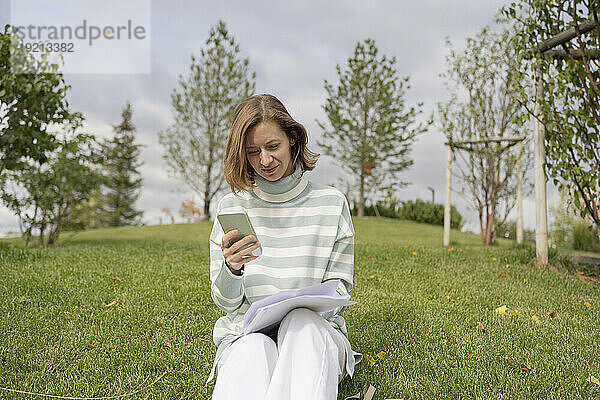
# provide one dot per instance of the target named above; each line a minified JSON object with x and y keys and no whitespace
{"x":249,"y":249}
{"x":227,"y":237}
{"x":243,"y":242}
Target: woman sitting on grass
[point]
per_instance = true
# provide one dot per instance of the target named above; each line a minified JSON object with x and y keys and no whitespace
{"x":307,"y":237}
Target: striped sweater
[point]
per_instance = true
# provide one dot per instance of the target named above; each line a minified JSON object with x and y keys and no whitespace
{"x":306,"y":237}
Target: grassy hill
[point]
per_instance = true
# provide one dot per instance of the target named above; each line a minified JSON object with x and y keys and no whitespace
{"x":429,"y":312}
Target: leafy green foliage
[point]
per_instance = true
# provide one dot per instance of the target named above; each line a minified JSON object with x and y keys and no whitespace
{"x":122,"y":180}
{"x":584,"y":238}
{"x":429,"y":213}
{"x":203,"y":108}
{"x":370,"y":130}
{"x":418,"y":211}
{"x":43,"y":196}
{"x":32,"y":98}
{"x":508,"y":230}
{"x":571,"y":97}
{"x":568,"y":229}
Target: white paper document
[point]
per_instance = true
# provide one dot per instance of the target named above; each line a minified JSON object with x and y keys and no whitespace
{"x":269,"y":311}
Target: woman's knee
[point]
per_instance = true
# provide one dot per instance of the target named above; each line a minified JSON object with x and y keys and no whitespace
{"x":252,"y":348}
{"x":259,"y":343}
{"x":304,"y":324}
{"x":301,"y":316}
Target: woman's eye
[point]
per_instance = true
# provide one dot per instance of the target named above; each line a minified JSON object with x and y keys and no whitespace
{"x":273,"y":147}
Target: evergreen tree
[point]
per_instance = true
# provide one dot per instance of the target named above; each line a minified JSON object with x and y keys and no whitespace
{"x":371,"y":130}
{"x":122,"y":179}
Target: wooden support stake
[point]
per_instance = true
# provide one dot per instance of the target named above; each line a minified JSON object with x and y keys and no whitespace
{"x":520,"y":194}
{"x":541,"y":224}
{"x":447,"y":207}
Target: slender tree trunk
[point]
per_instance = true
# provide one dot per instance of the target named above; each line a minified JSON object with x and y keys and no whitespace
{"x":54,"y":234}
{"x":481,"y":229}
{"x":207,"y":182}
{"x":489,"y":229}
{"x":42,"y":229}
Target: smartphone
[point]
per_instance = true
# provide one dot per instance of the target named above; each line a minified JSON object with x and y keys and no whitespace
{"x":241,"y":222}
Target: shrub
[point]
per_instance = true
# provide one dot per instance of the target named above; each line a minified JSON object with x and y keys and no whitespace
{"x":584,"y":237}
{"x":418,"y":211}
{"x":429,"y":213}
{"x":569,"y":229}
{"x":508,"y":230}
{"x":389,"y":210}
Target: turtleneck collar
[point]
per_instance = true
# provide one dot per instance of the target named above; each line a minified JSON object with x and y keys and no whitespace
{"x":281,"y":190}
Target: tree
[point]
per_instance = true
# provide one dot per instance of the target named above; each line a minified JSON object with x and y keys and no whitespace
{"x":483,"y":87}
{"x":123,"y":181}
{"x":87,"y":214}
{"x":43,"y":195}
{"x":370,"y":130}
{"x":571,"y":93}
{"x":32,"y":98}
{"x":188,"y":210}
{"x":202,"y":109}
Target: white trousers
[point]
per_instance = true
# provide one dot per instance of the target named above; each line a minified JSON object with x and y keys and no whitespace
{"x":307,"y":363}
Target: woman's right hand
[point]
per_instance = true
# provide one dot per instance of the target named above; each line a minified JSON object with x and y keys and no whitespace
{"x":233,"y":257}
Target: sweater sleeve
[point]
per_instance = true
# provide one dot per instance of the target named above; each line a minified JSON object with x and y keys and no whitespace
{"x":341,"y":260}
{"x":226,"y":289}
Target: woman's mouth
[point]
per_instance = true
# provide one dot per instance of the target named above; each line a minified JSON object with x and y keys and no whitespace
{"x":270,"y":171}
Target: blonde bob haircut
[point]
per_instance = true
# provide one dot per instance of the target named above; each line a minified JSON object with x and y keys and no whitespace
{"x":254,"y":110}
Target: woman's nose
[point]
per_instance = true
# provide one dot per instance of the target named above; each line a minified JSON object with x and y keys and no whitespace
{"x":265,"y":158}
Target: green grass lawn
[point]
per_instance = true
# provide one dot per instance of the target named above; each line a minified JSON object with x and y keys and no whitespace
{"x":431,"y":310}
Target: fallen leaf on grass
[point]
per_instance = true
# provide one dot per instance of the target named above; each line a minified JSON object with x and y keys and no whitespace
{"x":508,"y":358}
{"x":514,"y":314}
{"x":116,"y":278}
{"x":494,"y":258}
{"x":503,"y":275}
{"x":450,"y":248}
{"x":167,"y":345}
{"x":188,"y":343}
{"x":525,"y":368}
{"x":449,"y":298}
{"x":502,"y":310}
{"x":524,"y":280}
{"x":587,"y":304}
{"x":381,"y":355}
{"x":433,"y":264}
{"x":535,"y":318}
{"x":552,"y":314}
{"x":372,"y":361}
{"x":112,"y":303}
{"x":469,"y":354}
{"x":593,"y":379}
{"x":463,"y":259}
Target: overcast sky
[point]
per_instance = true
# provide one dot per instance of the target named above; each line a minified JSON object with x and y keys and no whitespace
{"x":293,"y":46}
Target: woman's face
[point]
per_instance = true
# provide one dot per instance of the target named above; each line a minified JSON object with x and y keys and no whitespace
{"x":268,"y":151}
